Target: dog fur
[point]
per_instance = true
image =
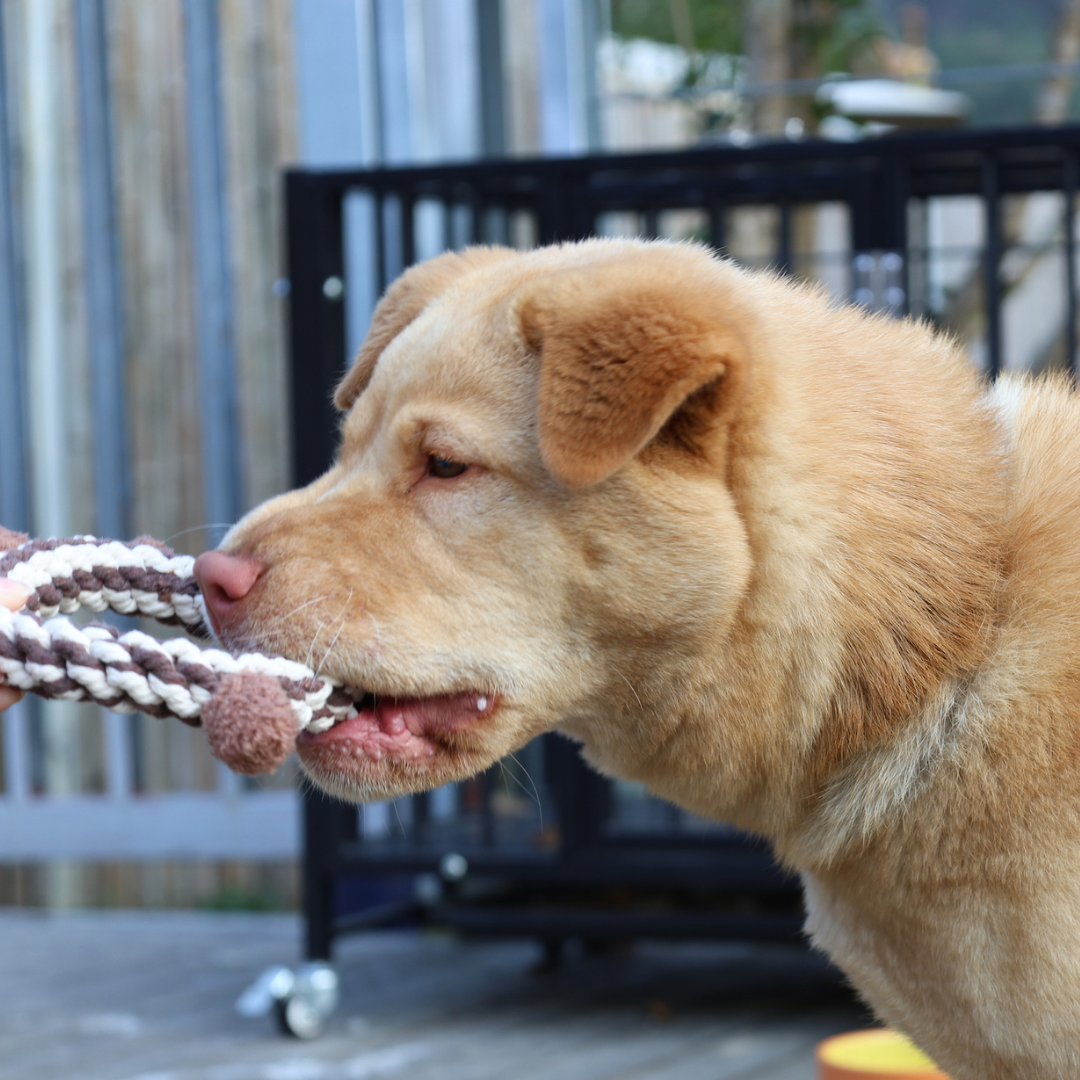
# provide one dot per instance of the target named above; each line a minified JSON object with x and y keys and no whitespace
{"x":792,"y":565}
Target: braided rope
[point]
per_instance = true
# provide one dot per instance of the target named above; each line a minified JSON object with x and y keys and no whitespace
{"x":132,"y":672}
{"x":139,"y":578}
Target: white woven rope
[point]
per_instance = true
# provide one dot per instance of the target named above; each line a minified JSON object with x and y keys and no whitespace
{"x":87,"y":554}
{"x":134,"y":672}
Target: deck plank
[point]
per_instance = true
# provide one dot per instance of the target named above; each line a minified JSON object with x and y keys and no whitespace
{"x":148,"y":996}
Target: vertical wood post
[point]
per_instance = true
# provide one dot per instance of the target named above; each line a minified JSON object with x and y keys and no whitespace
{"x":213,"y":284}
{"x":103,"y":274}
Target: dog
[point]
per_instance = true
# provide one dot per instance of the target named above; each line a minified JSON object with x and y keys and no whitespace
{"x":793,"y":565}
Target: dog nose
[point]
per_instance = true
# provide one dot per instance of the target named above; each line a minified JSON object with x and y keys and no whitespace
{"x":225,"y":580}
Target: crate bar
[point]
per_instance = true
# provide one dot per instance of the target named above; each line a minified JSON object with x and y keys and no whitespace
{"x":721,"y":864}
{"x":949,"y":156}
{"x":317,"y":343}
{"x":328,"y":826}
{"x":717,"y":230}
{"x":477,"y":206}
{"x":1069,"y":186}
{"x":316,"y":321}
{"x":380,"y":241}
{"x":407,"y":209}
{"x":992,"y":262}
{"x":783,"y":254}
{"x":446,"y":201}
{"x":420,"y":817}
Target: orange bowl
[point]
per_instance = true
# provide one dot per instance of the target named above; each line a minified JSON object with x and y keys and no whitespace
{"x":877,"y":1054}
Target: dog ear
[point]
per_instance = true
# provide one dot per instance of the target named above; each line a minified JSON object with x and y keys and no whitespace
{"x":626,"y":348}
{"x":403,"y":302}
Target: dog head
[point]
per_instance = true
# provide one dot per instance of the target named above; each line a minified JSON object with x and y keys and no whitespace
{"x":528,"y":524}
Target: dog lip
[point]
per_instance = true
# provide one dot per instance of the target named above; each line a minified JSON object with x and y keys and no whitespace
{"x":405,"y":728}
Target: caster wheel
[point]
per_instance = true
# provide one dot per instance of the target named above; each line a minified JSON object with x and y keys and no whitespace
{"x":311,"y":1001}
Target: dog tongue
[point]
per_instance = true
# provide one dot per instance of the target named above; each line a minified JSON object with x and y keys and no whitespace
{"x":402,"y":728}
{"x":426,"y":716}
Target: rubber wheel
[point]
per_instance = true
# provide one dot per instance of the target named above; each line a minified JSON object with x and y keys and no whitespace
{"x":296,"y":1017}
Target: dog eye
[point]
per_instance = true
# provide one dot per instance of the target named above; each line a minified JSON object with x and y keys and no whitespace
{"x":444,"y":468}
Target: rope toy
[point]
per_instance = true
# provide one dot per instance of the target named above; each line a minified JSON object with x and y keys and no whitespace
{"x":45,"y":653}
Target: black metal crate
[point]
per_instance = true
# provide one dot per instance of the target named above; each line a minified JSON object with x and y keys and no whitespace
{"x":579,"y":855}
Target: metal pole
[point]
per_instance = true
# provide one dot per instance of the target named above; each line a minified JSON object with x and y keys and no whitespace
{"x":1069,"y":184}
{"x":991,"y":268}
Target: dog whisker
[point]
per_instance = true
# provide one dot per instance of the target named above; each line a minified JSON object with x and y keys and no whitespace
{"x":311,"y":647}
{"x":226,"y":525}
{"x":343,"y":615}
{"x":535,"y":792}
{"x":299,"y":608}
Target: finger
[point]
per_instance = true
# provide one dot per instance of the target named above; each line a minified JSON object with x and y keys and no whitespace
{"x":12,"y":594}
{"x":8,"y":696}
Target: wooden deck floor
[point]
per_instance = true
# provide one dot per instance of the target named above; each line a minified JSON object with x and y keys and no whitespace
{"x":149,"y":996}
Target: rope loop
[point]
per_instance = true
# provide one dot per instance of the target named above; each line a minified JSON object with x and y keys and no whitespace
{"x":43,"y":652}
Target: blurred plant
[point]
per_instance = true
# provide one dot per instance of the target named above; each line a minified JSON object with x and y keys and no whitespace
{"x":715,"y":25}
{"x":832,"y":36}
{"x":826,"y":35}
{"x":820,"y":37}
{"x":238,"y":898}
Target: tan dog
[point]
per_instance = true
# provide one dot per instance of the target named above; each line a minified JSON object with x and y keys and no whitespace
{"x":787,"y":563}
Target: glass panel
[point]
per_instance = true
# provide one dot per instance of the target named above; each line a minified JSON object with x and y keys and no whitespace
{"x":821,"y":243}
{"x":462,"y":231}
{"x":689,"y":224}
{"x":495,"y":226}
{"x":1033,"y":284}
{"x":752,"y":234}
{"x":524,"y":231}
{"x":947,"y":275}
{"x":429,"y":217}
{"x":619,"y":223}
{"x":946,"y":238}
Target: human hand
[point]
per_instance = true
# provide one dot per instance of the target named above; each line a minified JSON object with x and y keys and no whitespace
{"x":12,"y":595}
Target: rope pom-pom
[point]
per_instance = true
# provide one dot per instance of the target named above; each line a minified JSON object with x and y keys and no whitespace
{"x":10,"y":539}
{"x":249,"y":723}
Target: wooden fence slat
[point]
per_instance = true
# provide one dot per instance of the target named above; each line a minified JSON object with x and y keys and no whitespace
{"x":213,"y":285}
{"x":260,"y":124}
{"x":14,"y":508}
{"x":102,"y":275}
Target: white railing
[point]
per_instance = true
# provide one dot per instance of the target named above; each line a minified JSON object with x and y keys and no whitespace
{"x":228,"y":822}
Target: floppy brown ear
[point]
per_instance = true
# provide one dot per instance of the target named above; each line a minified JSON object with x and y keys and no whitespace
{"x":623,"y":345}
{"x":403,"y":302}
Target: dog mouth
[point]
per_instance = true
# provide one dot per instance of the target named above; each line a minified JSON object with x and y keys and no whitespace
{"x":404,"y":729}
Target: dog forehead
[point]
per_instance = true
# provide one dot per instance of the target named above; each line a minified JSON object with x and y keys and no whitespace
{"x":468,"y":342}
{"x":464,"y":352}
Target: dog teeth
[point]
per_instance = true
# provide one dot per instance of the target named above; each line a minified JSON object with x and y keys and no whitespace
{"x":481,"y":704}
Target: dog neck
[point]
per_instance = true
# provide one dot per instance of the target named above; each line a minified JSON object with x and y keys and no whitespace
{"x":878,"y":556}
